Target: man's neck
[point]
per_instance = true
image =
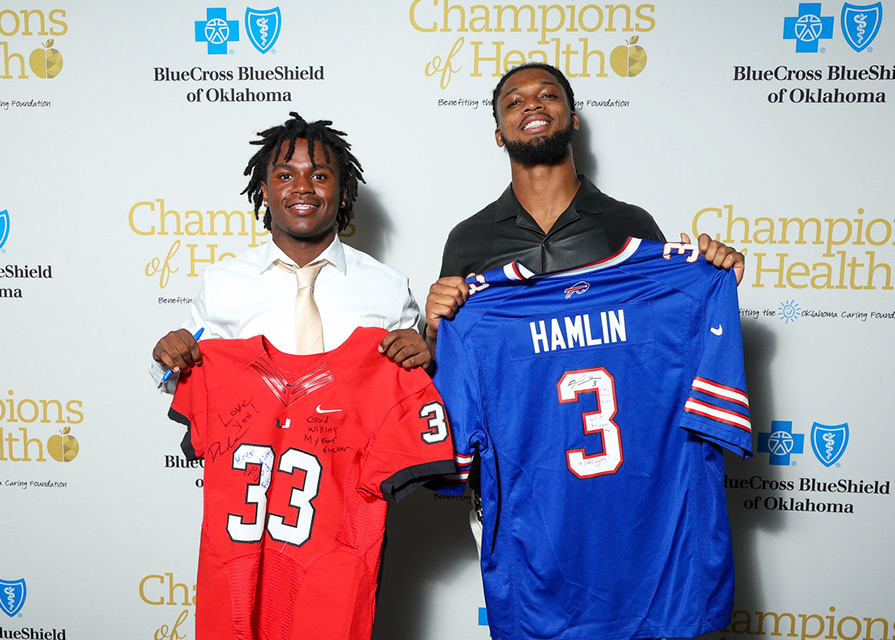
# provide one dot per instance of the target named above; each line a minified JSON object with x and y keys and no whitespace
{"x":302,"y":251}
{"x":545,"y":191}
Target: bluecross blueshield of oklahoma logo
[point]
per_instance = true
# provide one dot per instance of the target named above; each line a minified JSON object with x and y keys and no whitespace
{"x":217,"y":31}
{"x":263,"y":27}
{"x":12,"y":596}
{"x":4,"y":227}
{"x":860,"y":24}
{"x":780,"y":443}
{"x":829,"y":442}
{"x":808,"y":28}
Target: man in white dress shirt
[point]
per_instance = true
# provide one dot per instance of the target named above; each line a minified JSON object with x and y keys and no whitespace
{"x":306,"y":177}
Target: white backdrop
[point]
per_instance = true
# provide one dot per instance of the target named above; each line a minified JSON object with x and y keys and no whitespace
{"x":121,"y":174}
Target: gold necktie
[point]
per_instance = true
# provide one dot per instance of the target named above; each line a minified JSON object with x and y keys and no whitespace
{"x":308,"y":328}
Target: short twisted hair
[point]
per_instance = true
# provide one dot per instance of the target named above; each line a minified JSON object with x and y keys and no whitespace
{"x":333,"y":143}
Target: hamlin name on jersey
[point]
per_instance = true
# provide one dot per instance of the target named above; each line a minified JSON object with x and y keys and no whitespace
{"x":578,"y":331}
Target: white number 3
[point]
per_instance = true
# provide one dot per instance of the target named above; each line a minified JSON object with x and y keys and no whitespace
{"x":598,"y":422}
{"x":437,"y":420}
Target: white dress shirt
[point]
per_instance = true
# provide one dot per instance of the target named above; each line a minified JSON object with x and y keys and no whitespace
{"x":249,"y":295}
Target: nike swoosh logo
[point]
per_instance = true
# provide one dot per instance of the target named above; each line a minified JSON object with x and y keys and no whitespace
{"x":319,"y":410}
{"x":717,"y":331}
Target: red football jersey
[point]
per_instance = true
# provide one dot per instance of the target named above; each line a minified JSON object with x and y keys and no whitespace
{"x":301,"y":454}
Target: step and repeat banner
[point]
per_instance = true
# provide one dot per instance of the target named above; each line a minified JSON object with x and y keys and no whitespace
{"x":125,"y":130}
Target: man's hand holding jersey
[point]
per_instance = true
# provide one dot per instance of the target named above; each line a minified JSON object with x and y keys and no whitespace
{"x":177,"y":350}
{"x":445,"y":298}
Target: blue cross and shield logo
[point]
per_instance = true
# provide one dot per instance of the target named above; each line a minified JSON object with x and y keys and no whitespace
{"x":263,"y":27}
{"x":808,"y":28}
{"x":829,"y":442}
{"x":860,"y":24}
{"x":12,"y":596}
{"x":217,"y":31}
{"x":781,"y":443}
{"x":4,"y":227}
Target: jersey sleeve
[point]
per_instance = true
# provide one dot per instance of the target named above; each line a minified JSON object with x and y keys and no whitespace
{"x":455,"y":378}
{"x":190,"y":408}
{"x":411,"y":445}
{"x":717,"y":407}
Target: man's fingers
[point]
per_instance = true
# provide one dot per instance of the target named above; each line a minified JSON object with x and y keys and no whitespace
{"x":418,"y":360}
{"x":178,"y":350}
{"x":407,"y":348}
{"x":445,"y":298}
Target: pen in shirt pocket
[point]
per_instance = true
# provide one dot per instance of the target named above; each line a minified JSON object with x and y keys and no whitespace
{"x":168,"y":373}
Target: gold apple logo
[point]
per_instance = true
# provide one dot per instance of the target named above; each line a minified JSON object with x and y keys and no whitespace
{"x":63,"y":448}
{"x":628,"y":61}
{"x":46,"y":62}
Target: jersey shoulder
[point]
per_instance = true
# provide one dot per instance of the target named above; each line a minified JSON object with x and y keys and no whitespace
{"x":223,"y":358}
{"x":236,"y":350}
{"x":487,"y":291}
{"x":675,"y":265}
{"x":359,"y":367}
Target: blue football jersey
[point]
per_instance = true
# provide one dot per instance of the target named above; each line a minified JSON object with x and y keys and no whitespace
{"x":599,"y":401}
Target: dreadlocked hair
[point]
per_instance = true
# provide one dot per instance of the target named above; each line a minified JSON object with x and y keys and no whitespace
{"x":556,"y":73}
{"x":333,"y":144}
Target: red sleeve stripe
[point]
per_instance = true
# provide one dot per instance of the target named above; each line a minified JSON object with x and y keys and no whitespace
{"x":720,"y":391}
{"x":461,"y":459}
{"x":456,"y":477}
{"x":720,"y":415}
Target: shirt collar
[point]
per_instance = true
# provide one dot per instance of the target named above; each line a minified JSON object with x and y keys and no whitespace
{"x":588,"y":199}
{"x":334,"y":253}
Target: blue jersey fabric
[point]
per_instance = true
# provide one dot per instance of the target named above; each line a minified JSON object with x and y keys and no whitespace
{"x":599,"y":400}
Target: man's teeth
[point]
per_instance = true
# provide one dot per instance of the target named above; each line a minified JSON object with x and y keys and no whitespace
{"x":535,"y":123}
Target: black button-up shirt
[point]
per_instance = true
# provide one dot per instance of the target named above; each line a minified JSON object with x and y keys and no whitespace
{"x":593,"y":227}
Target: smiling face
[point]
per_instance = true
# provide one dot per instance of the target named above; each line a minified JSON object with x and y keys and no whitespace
{"x":303,"y":198}
{"x":535,"y":119}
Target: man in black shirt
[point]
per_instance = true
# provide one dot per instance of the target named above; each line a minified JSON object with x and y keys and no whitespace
{"x":550,"y":218}
{"x":592,"y":227}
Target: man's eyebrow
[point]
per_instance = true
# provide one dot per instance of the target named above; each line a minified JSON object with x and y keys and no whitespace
{"x":513,"y":89}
